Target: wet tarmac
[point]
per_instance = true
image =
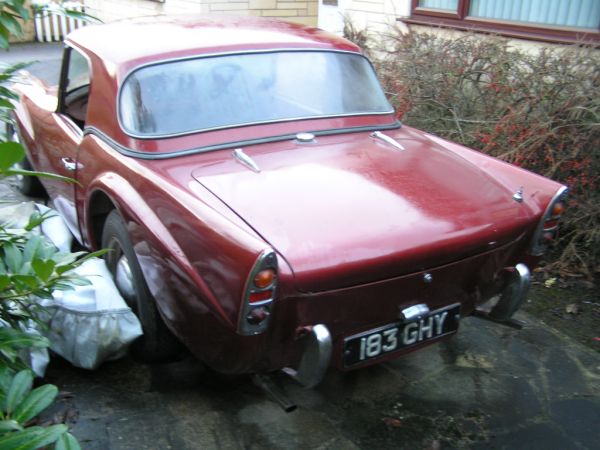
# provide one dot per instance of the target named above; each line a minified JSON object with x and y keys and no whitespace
{"x":489,"y":387}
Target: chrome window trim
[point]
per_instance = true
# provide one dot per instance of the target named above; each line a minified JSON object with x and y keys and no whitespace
{"x":91,"y":130}
{"x":225,"y":127}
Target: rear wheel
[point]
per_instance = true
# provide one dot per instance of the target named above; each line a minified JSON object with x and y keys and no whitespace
{"x":157,"y":343}
{"x":28,"y":184}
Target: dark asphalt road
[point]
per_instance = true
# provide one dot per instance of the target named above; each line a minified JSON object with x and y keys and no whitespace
{"x":488,"y":388}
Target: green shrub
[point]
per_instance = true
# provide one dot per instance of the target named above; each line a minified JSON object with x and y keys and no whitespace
{"x":29,"y":267}
{"x":537,"y":109}
{"x":19,"y":405}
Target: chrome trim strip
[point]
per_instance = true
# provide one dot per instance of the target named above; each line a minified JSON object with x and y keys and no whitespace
{"x":262,"y":303}
{"x":315,"y":359}
{"x":233,"y":53}
{"x":536,"y":249}
{"x":414,"y":312}
{"x":90,"y":130}
{"x":248,"y":124}
{"x":387,"y":139}
{"x":513,"y":293}
{"x":245,"y":160}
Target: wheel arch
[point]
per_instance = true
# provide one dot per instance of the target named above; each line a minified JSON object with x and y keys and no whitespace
{"x":110,"y":192}
{"x":99,"y":207}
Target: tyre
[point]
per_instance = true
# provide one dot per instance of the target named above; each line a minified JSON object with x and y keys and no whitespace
{"x":27,"y":184}
{"x":157,"y":344}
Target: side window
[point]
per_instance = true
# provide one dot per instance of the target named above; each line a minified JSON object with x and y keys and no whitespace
{"x":75,"y":86}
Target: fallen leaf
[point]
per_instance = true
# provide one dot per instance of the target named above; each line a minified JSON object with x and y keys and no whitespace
{"x":550,"y":282}
{"x":393,"y":422}
{"x":64,"y":395}
{"x":572,"y":308}
{"x":473,"y":361}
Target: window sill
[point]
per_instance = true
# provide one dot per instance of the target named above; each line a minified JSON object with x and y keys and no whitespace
{"x":513,"y":30}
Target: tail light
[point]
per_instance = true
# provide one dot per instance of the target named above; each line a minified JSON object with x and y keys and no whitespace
{"x":259,"y":293}
{"x":547,"y":229}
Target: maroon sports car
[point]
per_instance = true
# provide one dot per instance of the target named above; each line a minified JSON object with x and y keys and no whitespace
{"x":262,"y":203}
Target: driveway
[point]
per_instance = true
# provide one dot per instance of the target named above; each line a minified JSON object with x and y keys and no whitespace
{"x":489,"y":387}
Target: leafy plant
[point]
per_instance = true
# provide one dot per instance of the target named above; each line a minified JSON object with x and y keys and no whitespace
{"x":20,"y":404}
{"x":57,"y":8}
{"x":30,"y":268}
{"x":11,"y":11}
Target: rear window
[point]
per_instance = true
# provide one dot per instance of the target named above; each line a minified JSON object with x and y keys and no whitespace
{"x":223,"y":91}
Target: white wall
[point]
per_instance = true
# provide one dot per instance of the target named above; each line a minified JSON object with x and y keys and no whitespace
{"x":375,"y":15}
{"x":300,"y":11}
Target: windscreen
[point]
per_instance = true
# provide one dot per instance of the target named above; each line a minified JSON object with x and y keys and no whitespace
{"x":222,"y":91}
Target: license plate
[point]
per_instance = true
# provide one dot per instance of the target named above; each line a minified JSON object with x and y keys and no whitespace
{"x":390,"y":338}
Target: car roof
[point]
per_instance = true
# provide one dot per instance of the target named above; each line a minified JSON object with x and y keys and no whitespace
{"x":156,"y":38}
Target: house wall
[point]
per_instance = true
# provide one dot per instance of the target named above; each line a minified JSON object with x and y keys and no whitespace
{"x":533,"y":47}
{"x":28,"y":29}
{"x":375,"y":16}
{"x":300,"y":11}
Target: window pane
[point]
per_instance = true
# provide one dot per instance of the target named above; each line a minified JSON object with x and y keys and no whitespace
{"x":232,"y":90}
{"x":566,"y":13}
{"x":79,"y":72}
{"x":450,"y":5}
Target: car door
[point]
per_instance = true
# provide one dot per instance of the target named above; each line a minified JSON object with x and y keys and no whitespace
{"x":64,"y":134}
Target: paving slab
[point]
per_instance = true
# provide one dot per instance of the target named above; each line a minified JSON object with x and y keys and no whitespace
{"x":486,"y":388}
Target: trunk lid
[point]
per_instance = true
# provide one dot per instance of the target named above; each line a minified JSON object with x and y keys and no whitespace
{"x":350,"y":209}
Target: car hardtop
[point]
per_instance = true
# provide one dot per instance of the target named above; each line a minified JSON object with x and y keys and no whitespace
{"x":117,"y":50}
{"x":126,"y":44}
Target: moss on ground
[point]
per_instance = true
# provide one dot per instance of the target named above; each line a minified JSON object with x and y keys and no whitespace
{"x":571,"y":308}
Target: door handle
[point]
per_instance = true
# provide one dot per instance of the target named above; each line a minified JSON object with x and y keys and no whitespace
{"x":69,"y":164}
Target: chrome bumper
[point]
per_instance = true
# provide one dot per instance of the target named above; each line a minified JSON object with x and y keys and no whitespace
{"x":518,"y":280}
{"x":513,"y":294}
{"x":315,"y":359}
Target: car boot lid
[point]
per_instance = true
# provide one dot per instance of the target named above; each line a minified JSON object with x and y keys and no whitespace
{"x":330,"y":203}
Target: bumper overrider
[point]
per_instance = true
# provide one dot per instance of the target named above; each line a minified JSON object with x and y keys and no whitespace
{"x":513,"y":294}
{"x":315,"y":358}
{"x":510,"y":298}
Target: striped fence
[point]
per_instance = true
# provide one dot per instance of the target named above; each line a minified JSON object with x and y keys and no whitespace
{"x":52,"y":27}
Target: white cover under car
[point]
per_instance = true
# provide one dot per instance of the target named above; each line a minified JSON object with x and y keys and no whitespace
{"x":89,"y":324}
